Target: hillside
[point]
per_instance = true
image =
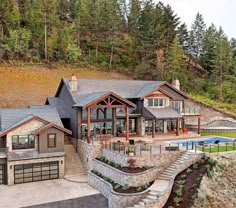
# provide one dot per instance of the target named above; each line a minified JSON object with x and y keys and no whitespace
{"x":23,"y":86}
{"x":219,"y":191}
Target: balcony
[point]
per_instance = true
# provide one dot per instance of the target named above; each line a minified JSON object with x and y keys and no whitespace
{"x":190,"y":112}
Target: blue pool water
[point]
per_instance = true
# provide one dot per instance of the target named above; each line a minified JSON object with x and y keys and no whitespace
{"x":206,"y":140}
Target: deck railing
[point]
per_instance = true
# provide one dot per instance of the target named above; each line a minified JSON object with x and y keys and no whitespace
{"x":152,"y":149}
{"x":190,"y":111}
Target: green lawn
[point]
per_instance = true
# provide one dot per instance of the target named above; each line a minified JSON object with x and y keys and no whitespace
{"x":224,"y":134}
{"x":221,"y":148}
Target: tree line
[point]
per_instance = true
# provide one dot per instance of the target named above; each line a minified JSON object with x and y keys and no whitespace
{"x":144,"y":39}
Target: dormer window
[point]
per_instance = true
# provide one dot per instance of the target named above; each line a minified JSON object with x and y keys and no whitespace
{"x":157,"y":102}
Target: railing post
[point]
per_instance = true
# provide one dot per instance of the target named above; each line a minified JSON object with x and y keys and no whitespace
{"x":187,"y":146}
{"x":192,"y":145}
{"x":169,"y":147}
{"x":195,"y":148}
{"x":150,"y":149}
{"x":178,"y":146}
{"x":226,"y":146}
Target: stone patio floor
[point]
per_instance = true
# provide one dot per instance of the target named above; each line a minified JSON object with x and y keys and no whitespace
{"x":29,"y":194}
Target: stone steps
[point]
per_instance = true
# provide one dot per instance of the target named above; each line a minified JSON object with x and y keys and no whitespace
{"x":73,"y":164}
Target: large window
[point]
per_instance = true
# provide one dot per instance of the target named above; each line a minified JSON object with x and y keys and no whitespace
{"x":157,"y":102}
{"x":177,"y":105}
{"x":51,"y":140}
{"x":23,"y":142}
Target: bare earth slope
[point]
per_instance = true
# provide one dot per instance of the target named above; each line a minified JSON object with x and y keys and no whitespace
{"x":220,"y":191}
{"x":23,"y":86}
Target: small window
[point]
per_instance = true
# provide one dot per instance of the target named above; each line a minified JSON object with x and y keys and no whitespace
{"x":150,"y":102}
{"x":51,"y":140}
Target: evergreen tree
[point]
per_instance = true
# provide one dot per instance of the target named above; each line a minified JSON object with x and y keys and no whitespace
{"x":183,"y":36}
{"x":196,"y":37}
{"x":175,"y":64}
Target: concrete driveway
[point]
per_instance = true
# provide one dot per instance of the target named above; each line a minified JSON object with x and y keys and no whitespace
{"x":29,"y":194}
{"x":92,"y":201}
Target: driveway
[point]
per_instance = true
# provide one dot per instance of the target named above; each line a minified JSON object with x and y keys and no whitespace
{"x":28,"y":194}
{"x":92,"y":201}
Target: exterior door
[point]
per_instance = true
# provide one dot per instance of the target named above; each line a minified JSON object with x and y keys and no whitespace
{"x":2,"y":174}
{"x":36,"y":172}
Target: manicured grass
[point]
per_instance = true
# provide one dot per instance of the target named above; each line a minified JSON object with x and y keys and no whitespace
{"x":222,"y":148}
{"x":223,"y":134}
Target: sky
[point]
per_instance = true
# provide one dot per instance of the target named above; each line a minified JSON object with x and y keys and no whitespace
{"x":220,"y":12}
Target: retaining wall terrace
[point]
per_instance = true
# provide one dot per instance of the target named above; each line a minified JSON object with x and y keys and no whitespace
{"x":133,"y":179}
{"x":158,"y":160}
{"x":116,"y":200}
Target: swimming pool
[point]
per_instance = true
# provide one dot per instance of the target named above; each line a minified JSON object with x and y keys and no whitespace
{"x":205,"y":140}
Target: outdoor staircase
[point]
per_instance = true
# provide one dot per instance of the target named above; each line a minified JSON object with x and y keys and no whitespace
{"x":162,"y":182}
{"x":73,"y":165}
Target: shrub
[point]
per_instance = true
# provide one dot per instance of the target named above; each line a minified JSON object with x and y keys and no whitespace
{"x":195,"y":166}
{"x":146,"y":167}
{"x":117,"y":186}
{"x":145,"y":186}
{"x":189,"y":170}
{"x":125,"y":187}
{"x":139,"y":188}
{"x":180,"y":182}
{"x":103,"y":158}
{"x":179,"y":191}
{"x":183,"y":176}
{"x":132,"y":163}
{"x":212,"y":162}
{"x":177,"y":200}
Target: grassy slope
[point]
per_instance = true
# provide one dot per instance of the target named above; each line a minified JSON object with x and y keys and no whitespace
{"x":221,"y":106}
{"x":23,"y":86}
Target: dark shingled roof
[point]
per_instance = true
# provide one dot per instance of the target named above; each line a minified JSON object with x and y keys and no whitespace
{"x":60,"y":106}
{"x":9,"y":118}
{"x":161,"y":113}
{"x":124,"y":88}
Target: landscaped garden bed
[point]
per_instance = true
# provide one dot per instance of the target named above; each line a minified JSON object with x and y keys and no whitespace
{"x":186,"y":184}
{"x":130,"y":169}
{"x":125,"y":188}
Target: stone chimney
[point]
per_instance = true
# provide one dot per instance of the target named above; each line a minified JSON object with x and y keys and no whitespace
{"x":73,"y":83}
{"x":176,"y":84}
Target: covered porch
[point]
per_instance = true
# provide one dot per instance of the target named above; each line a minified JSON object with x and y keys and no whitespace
{"x":99,"y":116}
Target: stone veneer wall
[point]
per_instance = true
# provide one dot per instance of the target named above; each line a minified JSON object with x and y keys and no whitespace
{"x":134,"y":179}
{"x":157,"y":160}
{"x":116,"y":200}
{"x":26,"y":129}
{"x":87,"y":152}
{"x":10,"y":166}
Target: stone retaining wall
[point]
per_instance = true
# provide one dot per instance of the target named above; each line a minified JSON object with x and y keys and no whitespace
{"x":134,"y":179}
{"x":158,"y":160}
{"x":116,"y":200}
{"x":87,"y":152}
{"x":163,"y":196}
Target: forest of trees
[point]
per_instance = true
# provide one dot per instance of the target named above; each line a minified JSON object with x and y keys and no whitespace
{"x":144,"y":39}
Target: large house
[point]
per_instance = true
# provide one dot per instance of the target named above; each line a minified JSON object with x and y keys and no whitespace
{"x":32,"y":139}
{"x":31,"y":145}
{"x":93,"y":107}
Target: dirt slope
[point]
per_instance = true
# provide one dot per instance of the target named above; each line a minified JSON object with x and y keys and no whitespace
{"x":23,"y":86}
